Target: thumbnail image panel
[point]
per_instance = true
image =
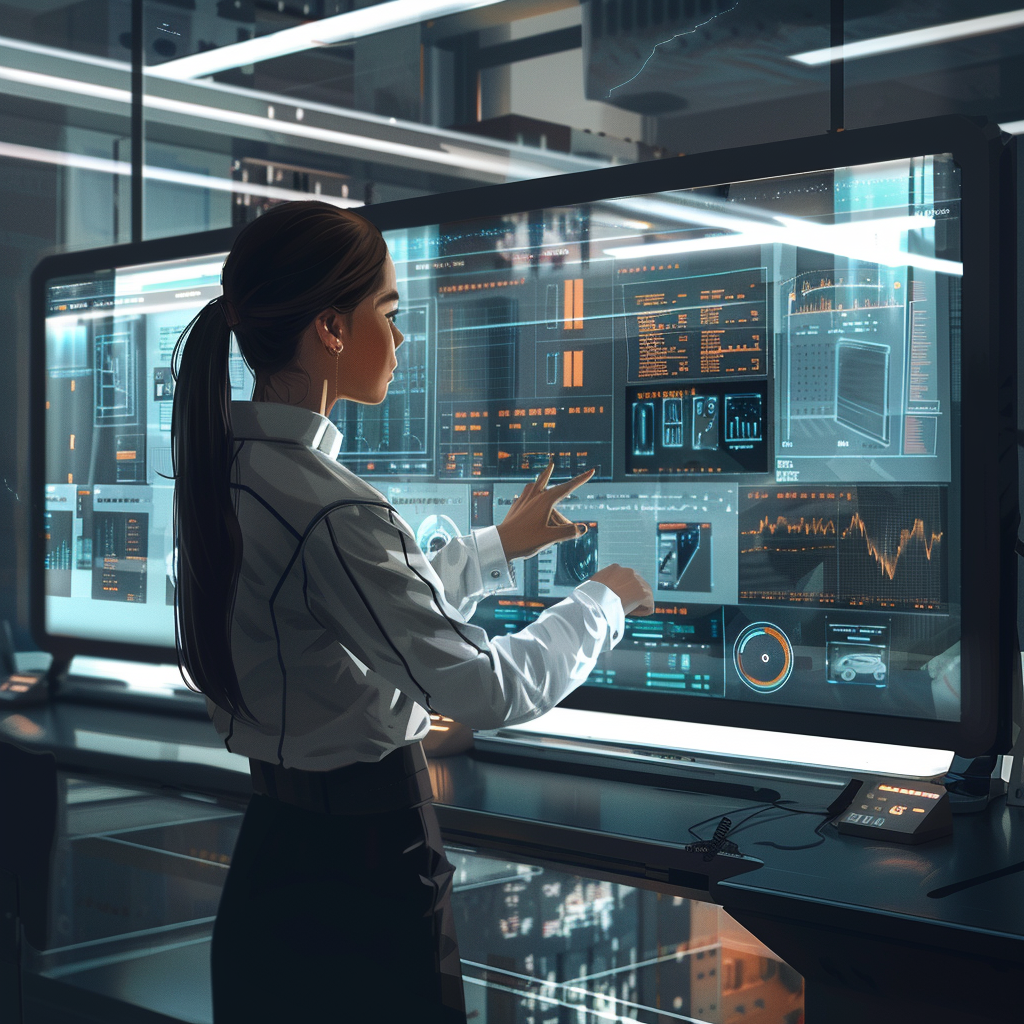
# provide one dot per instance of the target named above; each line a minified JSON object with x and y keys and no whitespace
{"x":862,"y":388}
{"x":864,"y":547}
{"x":664,"y":533}
{"x":714,"y":427}
{"x":120,"y":547}
{"x":95,"y":400}
{"x":692,"y":328}
{"x":684,"y":557}
{"x":862,"y":383}
{"x":577,"y":559}
{"x":395,"y":436}
{"x":116,"y":359}
{"x":857,"y":653}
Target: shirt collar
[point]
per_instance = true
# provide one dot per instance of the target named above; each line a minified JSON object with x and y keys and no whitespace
{"x":275,"y":421}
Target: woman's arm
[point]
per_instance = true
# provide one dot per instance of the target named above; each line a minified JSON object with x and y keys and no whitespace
{"x":473,"y":567}
{"x":374,"y":592}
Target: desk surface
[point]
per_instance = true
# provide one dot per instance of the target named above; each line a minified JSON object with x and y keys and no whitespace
{"x":960,"y":893}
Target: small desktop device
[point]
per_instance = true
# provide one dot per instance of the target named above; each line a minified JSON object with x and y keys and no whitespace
{"x":898,"y":811}
{"x":792,"y":367}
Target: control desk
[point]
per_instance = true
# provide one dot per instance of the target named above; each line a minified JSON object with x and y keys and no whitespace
{"x":875,"y":928}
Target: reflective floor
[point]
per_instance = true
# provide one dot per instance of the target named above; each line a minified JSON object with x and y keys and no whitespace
{"x":138,"y":875}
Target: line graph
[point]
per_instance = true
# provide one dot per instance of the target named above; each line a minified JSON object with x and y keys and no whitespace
{"x":813,"y":527}
{"x":888,"y":563}
{"x":866,"y":547}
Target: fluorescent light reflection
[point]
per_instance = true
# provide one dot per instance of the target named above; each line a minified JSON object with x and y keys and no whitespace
{"x":121,"y":167}
{"x":438,"y":147}
{"x":879,"y":240}
{"x":482,"y":162}
{"x":327,"y":31}
{"x":875,"y":240}
{"x":911,"y":40}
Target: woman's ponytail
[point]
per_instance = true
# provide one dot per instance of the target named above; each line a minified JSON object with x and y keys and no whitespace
{"x":285,"y":268}
{"x":207,"y":538}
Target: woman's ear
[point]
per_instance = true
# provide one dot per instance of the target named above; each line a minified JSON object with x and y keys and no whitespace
{"x":330,"y":330}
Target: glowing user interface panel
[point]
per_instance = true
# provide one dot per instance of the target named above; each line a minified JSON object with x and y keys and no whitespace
{"x":763,"y":373}
{"x":109,"y":393}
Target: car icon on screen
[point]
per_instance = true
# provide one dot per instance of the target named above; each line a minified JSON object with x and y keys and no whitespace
{"x":849,"y":666}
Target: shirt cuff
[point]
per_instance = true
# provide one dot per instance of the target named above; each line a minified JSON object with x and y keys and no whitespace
{"x":495,"y":569}
{"x":608,"y":601}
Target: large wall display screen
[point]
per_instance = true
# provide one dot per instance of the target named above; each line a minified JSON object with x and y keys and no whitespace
{"x":764,"y":373}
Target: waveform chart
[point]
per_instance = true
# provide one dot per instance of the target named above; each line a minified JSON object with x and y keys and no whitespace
{"x":865,"y":547}
{"x":787,"y":550}
{"x":892,"y":548}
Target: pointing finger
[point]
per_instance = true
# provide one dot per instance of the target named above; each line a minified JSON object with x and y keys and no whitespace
{"x":570,"y":485}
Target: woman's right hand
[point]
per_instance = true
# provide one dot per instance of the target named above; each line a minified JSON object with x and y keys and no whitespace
{"x":629,"y":587}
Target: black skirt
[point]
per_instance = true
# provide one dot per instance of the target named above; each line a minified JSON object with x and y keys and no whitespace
{"x":328,"y":915}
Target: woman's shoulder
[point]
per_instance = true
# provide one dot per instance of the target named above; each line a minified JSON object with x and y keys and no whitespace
{"x":346,"y":483}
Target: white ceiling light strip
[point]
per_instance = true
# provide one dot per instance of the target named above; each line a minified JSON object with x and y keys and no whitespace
{"x":84,"y":162}
{"x":326,"y":32}
{"x":479,"y":163}
{"x":218,"y":90}
{"x":914,"y":39}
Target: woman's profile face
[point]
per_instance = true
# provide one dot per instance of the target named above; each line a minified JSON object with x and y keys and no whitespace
{"x":367,"y":360}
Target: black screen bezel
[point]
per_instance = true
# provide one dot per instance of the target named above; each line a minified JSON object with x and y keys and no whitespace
{"x":988,"y":434}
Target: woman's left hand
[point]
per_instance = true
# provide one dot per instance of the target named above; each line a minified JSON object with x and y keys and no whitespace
{"x":533,"y":523}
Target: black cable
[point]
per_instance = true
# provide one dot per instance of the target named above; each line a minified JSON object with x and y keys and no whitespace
{"x":723,"y":836}
{"x":716,"y":817}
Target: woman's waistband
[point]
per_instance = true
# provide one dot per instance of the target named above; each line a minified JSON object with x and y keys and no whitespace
{"x":399,"y":781}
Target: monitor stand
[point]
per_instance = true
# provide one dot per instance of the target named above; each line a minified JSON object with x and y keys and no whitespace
{"x":974,"y":784}
{"x":1015,"y":786}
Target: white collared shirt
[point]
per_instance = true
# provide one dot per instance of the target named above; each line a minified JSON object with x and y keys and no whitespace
{"x":345,"y":636}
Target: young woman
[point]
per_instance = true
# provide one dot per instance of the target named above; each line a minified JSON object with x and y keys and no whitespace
{"x":323,"y":638}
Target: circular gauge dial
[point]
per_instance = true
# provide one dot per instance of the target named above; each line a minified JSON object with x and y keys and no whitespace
{"x":763,"y":656}
{"x":434,"y":532}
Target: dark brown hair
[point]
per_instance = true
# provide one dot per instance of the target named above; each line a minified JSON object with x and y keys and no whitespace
{"x":284,"y":269}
